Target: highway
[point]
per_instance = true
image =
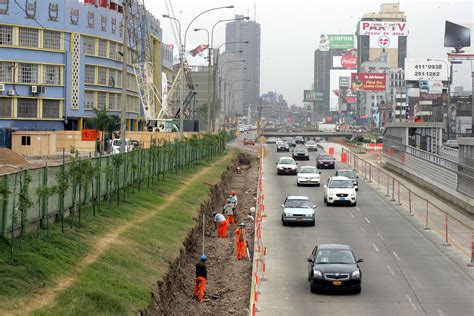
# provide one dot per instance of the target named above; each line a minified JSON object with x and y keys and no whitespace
{"x":404,"y":273}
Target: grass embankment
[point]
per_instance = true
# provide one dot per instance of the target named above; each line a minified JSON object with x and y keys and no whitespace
{"x":88,"y":270}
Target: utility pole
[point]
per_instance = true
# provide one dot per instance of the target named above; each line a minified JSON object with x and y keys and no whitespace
{"x":181,"y":98}
{"x":210,"y":110}
{"x":123,"y":111}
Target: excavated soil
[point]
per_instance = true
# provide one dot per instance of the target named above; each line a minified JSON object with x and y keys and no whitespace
{"x":229,"y":280}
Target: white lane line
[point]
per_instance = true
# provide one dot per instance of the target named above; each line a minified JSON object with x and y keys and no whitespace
{"x":367,"y":220}
{"x":416,"y":281}
{"x":358,"y":208}
{"x":440,"y":313}
{"x":375,"y":247}
{"x":380,"y":235}
{"x":411,"y":302}
{"x":362,"y":229}
{"x":390,"y":270}
{"x":352,"y":214}
{"x":396,"y":256}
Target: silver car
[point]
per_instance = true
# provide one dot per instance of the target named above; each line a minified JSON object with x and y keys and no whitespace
{"x":298,"y":210}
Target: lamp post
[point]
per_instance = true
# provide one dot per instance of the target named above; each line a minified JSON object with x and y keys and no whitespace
{"x":209,"y":72}
{"x":233,"y":91}
{"x":182,"y":58}
{"x":220,"y":74}
{"x":449,"y":70}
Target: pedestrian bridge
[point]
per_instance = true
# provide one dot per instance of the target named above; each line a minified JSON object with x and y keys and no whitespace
{"x":273,"y":133}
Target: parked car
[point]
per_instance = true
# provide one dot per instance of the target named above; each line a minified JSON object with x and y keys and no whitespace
{"x":282,"y":146}
{"x":351,"y":175}
{"x":325,"y":161}
{"x":340,"y":190}
{"x":299,"y":140}
{"x":249,"y":141}
{"x":311,"y":145}
{"x":298,"y":209}
{"x":286,"y":165}
{"x":300,"y":153}
{"x":334,"y":267}
{"x":308,"y":175}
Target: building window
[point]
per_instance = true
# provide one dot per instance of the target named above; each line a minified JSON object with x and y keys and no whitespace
{"x":102,"y":48}
{"x":51,"y":74}
{"x":25,"y":140}
{"x":112,"y":78}
{"x":90,"y":75}
{"x":6,"y":35}
{"x":89,"y":45}
{"x":5,"y":107}
{"x":28,"y":37}
{"x":6,"y":72}
{"x":119,"y":55}
{"x":51,"y":109}
{"x":89,"y":100}
{"x":112,"y":50}
{"x":111,"y":104}
{"x":101,"y":100}
{"x":28,"y":73}
{"x":118,"y":102}
{"x":52,"y":40}
{"x":102,"y":76}
{"x":27,"y":108}
{"x":118,"y":83}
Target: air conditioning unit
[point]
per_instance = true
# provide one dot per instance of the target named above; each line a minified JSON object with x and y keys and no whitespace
{"x":11,"y":92}
{"x":2,"y":87}
{"x":34,"y":89}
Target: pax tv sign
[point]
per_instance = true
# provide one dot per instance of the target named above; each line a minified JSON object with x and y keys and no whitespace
{"x":378,"y":28}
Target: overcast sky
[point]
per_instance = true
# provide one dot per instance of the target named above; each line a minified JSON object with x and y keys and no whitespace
{"x":291,"y":29}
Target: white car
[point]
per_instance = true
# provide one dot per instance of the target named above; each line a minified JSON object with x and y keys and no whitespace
{"x":298,"y":209}
{"x":308,"y":175}
{"x":287,"y":165}
{"x":340,"y":190}
{"x":311,"y":145}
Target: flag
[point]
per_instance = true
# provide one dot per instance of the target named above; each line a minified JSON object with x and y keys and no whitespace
{"x":198,"y":49}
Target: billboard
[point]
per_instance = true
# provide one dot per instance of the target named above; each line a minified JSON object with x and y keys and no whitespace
{"x":334,"y":79}
{"x":365,"y":81}
{"x":379,"y":28}
{"x":346,"y":61}
{"x":434,"y":69}
{"x":383,"y":41}
{"x":309,"y":96}
{"x":336,"y":41}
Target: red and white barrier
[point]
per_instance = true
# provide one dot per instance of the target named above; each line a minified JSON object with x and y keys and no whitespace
{"x":373,"y":147}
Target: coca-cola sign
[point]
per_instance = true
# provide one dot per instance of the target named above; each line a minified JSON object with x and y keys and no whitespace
{"x":349,"y":61}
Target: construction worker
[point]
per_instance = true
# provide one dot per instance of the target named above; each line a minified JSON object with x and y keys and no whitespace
{"x":229,"y":212}
{"x":201,"y":277}
{"x":233,"y":197}
{"x":221,"y":225}
{"x":240,"y":234}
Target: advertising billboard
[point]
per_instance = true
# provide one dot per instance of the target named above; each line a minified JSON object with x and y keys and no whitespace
{"x":346,"y":61}
{"x":383,"y":41}
{"x":309,"y":96}
{"x":334,"y":80}
{"x":379,"y":28}
{"x":434,"y":69}
{"x":336,"y":41}
{"x":365,"y":81}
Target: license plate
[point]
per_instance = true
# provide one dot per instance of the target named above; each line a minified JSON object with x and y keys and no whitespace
{"x":299,"y":219}
{"x":342,"y":199}
{"x":336,"y":283}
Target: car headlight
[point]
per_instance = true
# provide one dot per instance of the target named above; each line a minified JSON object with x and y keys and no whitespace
{"x":330,"y":194}
{"x":288,"y":214}
{"x":356,"y":274}
{"x":293,"y":167}
{"x":309,"y":215}
{"x":353,"y":194}
{"x":317,"y":274}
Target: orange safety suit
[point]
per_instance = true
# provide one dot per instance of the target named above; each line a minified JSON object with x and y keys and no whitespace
{"x":201,"y":277}
{"x":239,"y":234}
{"x":222,"y":229}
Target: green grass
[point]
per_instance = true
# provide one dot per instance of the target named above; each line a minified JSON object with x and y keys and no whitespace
{"x":120,"y":281}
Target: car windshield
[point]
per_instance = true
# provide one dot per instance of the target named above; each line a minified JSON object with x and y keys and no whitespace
{"x":310,"y":143}
{"x":300,"y":149}
{"x":308,"y":170}
{"x":341,"y":184}
{"x":294,"y":203}
{"x":325,"y":157}
{"x":286,"y":162}
{"x":334,"y":256}
{"x":349,"y":174}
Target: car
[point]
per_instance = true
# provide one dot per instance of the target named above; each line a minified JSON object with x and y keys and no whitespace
{"x":351,"y":175}
{"x":249,"y":141}
{"x":290,"y":140}
{"x":340,"y":190}
{"x":325,"y":161}
{"x":287,"y":165}
{"x":311,"y":145}
{"x":298,"y":209}
{"x":334,"y":267}
{"x":308,"y":175}
{"x":357,"y":138}
{"x":282,"y":146}
{"x":271,"y":140}
{"x":300,"y":153}
{"x":299,"y":140}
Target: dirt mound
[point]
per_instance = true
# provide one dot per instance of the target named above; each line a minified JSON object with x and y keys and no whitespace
{"x":9,"y":157}
{"x":229,"y":280}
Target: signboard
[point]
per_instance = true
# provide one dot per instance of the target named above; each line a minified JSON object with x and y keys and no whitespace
{"x":384,"y":41}
{"x":431,"y":86}
{"x":347,"y":61}
{"x":336,"y":41}
{"x":379,"y":28}
{"x":344,"y":82}
{"x":426,"y":69}
{"x":367,"y":81}
{"x":309,"y":96}
{"x":334,"y":78}
{"x":90,"y":135}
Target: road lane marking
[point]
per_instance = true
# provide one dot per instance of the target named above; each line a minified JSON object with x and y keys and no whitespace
{"x":440,"y":313}
{"x":380,"y":235}
{"x":411,"y":302}
{"x":362,"y":229}
{"x":390,"y":270}
{"x":352,"y":214}
{"x":358,"y":208}
{"x":416,"y":281}
{"x":375,"y":247}
{"x":396,"y":256}
{"x":367,"y":220}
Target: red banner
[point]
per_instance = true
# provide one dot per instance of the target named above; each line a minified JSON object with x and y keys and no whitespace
{"x":90,"y":135}
{"x":365,"y":81}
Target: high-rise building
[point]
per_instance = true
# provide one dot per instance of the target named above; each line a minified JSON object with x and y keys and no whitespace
{"x":249,"y":73}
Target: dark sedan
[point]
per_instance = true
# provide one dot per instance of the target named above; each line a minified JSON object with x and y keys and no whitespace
{"x":282,"y":146}
{"x":300,"y":153}
{"x":334,"y":267}
{"x":299,"y":140}
{"x":325,"y":161}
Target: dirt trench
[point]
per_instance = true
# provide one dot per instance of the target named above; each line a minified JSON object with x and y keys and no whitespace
{"x":229,"y":280}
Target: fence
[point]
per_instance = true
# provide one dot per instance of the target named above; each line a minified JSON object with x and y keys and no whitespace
{"x":32,"y":198}
{"x":440,"y":220}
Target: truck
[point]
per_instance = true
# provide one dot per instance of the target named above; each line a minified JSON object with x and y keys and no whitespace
{"x":326,"y":127}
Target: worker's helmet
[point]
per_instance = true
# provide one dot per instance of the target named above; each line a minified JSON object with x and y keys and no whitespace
{"x":233,"y":193}
{"x":203,"y":258}
{"x":242,"y":225}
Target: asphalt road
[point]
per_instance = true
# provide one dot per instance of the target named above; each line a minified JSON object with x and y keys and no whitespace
{"x":404,"y":273}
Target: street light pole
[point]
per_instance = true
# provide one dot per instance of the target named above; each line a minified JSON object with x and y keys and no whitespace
{"x":209,"y":72}
{"x":123,"y":110}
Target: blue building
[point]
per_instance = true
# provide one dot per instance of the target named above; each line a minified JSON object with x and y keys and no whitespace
{"x":60,"y":59}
